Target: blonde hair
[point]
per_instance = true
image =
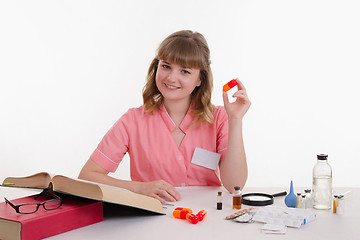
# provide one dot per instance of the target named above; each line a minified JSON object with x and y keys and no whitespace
{"x":185,"y":48}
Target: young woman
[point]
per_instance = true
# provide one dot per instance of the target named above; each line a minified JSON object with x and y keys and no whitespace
{"x":177,"y":137}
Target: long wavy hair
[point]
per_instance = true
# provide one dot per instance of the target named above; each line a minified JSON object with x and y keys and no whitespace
{"x":185,"y":48}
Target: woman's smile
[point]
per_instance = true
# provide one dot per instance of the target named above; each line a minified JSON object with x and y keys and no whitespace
{"x":171,"y":87}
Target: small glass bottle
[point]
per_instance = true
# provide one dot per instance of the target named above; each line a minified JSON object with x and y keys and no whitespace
{"x":298,"y":200}
{"x":340,"y":205}
{"x":322,"y":183}
{"x":335,"y":203}
{"x":219,"y":201}
{"x":308,"y":199}
{"x":237,"y":198}
{"x":303,"y":201}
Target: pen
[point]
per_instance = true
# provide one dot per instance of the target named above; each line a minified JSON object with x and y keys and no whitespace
{"x":8,"y":184}
{"x":167,"y":204}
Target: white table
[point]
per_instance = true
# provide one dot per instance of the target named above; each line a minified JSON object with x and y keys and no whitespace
{"x":126,"y":226}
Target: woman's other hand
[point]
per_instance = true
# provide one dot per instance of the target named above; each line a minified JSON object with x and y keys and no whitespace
{"x":159,"y":189}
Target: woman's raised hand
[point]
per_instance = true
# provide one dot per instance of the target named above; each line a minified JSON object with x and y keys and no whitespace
{"x":238,"y":108}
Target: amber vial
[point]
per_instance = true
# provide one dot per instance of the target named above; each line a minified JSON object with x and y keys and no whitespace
{"x":335,"y":203}
{"x":219,"y":201}
{"x":237,"y":198}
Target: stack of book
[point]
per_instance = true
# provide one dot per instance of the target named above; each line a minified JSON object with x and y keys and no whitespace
{"x":82,"y":205}
{"x":73,"y":213}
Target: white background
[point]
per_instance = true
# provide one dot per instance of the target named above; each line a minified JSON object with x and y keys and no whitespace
{"x":70,"y":69}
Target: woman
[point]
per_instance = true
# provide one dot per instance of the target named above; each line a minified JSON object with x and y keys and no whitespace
{"x":177,"y":137}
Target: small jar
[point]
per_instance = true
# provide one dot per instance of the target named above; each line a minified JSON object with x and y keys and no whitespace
{"x":341,"y":205}
{"x":335,"y":203}
{"x":237,"y":198}
{"x":308,"y":199}
{"x":219,"y":201}
{"x":298,"y":200}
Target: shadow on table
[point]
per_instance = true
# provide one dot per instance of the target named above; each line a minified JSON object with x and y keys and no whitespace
{"x":119,"y":211}
{"x":112,"y":210}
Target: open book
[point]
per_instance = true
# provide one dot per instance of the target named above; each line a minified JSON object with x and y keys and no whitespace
{"x":86,"y":189}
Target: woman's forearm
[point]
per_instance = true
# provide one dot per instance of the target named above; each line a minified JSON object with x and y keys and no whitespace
{"x":158,"y":189}
{"x":233,"y":168}
{"x":92,"y":172}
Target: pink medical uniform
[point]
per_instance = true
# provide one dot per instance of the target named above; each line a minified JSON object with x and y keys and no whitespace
{"x":154,"y":154}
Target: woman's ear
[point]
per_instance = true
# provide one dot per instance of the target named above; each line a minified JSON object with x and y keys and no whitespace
{"x":198,"y":82}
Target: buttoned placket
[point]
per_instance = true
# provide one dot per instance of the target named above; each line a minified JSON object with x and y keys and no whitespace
{"x":179,"y":154}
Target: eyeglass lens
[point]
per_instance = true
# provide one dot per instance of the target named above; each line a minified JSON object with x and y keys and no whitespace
{"x":28,"y":208}
{"x":52,"y":204}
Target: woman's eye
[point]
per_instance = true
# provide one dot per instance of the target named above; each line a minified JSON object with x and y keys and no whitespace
{"x":185,"y":71}
{"x":166,"y":66}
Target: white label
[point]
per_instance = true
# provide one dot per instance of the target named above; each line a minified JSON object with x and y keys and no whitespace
{"x":206,"y":158}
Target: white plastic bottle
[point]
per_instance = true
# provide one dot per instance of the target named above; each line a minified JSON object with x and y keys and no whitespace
{"x":322,"y":183}
{"x":308,"y":199}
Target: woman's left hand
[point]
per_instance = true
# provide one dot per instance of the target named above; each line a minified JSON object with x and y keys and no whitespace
{"x":237,"y":109}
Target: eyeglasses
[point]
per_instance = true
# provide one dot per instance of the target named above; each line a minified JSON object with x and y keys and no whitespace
{"x":27,"y":208}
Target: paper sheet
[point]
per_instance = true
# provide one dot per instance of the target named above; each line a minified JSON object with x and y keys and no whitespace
{"x":291,"y":217}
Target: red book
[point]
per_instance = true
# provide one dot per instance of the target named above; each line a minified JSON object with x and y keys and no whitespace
{"x":73,"y":213}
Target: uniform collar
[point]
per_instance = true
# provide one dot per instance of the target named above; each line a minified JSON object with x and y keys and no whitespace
{"x":184,"y":125}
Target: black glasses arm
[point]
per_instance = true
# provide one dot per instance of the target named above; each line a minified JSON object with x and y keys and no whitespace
{"x":12,"y":205}
{"x":6,"y":200}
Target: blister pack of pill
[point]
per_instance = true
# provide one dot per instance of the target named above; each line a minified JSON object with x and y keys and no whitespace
{"x":291,"y":217}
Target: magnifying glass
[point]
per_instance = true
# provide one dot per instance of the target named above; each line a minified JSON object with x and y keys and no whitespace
{"x":260,"y":199}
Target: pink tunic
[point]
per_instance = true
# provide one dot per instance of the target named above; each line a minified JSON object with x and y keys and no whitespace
{"x":153,"y":152}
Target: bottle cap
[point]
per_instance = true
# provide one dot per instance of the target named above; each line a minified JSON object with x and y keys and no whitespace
{"x":307,"y":191}
{"x":322,"y":157}
{"x":219,"y":193}
{"x":237,"y":188}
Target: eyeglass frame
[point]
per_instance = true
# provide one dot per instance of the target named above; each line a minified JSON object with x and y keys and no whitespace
{"x":45,"y":192}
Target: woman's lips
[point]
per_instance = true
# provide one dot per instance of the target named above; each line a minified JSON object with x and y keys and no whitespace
{"x":171,"y":86}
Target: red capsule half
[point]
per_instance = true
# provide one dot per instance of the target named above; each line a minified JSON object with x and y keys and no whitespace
{"x":229,"y":85}
{"x":201,"y":215}
{"x":192,"y":218}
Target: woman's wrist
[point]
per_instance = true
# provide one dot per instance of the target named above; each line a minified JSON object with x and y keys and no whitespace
{"x":235,"y":121}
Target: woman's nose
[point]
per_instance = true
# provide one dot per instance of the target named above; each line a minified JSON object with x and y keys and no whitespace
{"x":171,"y":76}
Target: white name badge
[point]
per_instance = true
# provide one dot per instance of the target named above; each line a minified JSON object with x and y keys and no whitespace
{"x":206,"y":158}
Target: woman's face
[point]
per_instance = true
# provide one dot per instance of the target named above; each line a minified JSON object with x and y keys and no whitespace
{"x":176,"y":82}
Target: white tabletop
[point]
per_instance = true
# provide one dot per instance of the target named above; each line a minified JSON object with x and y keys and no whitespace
{"x":129,"y":226}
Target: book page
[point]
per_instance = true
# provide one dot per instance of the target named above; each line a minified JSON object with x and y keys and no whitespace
{"x":9,"y":229}
{"x":76,"y":187}
{"x":38,"y":180}
{"x":99,"y":184}
{"x":129,"y":198}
